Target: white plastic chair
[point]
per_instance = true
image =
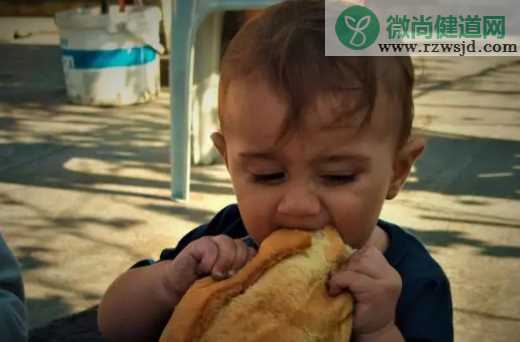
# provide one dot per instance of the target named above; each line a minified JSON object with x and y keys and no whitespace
{"x":188,"y":16}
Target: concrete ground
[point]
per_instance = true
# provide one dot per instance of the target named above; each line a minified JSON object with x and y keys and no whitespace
{"x":84,"y":191}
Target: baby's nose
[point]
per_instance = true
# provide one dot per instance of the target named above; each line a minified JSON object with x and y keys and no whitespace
{"x":299,"y":202}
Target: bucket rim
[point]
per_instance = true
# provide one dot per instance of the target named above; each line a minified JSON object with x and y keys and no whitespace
{"x":89,"y":17}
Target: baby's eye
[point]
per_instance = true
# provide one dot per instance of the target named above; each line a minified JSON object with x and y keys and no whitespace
{"x":269,"y":178}
{"x":338,"y":179}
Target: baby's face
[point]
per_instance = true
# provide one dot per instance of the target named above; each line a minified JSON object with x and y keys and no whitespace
{"x":316,"y":176}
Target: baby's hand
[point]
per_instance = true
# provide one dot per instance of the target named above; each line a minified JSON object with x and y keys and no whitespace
{"x":219,"y":256}
{"x":375,"y":286}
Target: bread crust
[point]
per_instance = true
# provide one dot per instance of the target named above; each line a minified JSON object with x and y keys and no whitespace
{"x":206,"y":297}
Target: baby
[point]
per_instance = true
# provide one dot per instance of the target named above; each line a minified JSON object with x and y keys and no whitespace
{"x":308,"y":141}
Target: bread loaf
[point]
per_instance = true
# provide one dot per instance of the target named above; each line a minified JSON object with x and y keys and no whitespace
{"x":280,"y":295}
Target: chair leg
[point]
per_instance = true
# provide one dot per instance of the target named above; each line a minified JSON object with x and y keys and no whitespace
{"x":181,"y":66}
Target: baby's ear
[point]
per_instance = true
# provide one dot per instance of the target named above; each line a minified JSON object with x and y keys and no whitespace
{"x":220,"y":144}
{"x":404,"y":160}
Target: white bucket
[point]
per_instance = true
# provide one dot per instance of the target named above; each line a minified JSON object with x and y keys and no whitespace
{"x":110,"y":59}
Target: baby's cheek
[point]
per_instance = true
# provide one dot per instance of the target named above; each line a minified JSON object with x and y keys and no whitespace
{"x":355,"y":220}
{"x":257,"y":211}
{"x":256,"y":218}
{"x":257,"y":230}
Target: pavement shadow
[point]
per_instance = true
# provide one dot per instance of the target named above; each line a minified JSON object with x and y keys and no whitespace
{"x":448,"y":238}
{"x":31,"y":73}
{"x":54,"y":165}
{"x":189,"y":214}
{"x":470,"y":166}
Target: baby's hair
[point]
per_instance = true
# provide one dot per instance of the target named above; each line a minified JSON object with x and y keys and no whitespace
{"x":285,"y":46}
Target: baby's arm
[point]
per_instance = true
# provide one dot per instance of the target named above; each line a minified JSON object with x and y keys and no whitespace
{"x":139,"y":303}
{"x":375,"y":286}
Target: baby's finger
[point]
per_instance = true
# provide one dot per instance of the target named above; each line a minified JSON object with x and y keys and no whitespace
{"x":348,"y":280}
{"x":370,"y":262}
{"x":205,"y":253}
{"x":226,"y":256}
{"x":240,"y":257}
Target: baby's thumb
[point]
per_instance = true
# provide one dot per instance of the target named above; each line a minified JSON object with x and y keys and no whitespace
{"x":333,"y":287}
{"x":203,"y":254}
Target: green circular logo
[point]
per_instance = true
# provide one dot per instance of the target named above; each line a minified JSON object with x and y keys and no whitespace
{"x":357,"y":27}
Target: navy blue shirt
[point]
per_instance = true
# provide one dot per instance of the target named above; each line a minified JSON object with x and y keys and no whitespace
{"x":424,"y":309}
